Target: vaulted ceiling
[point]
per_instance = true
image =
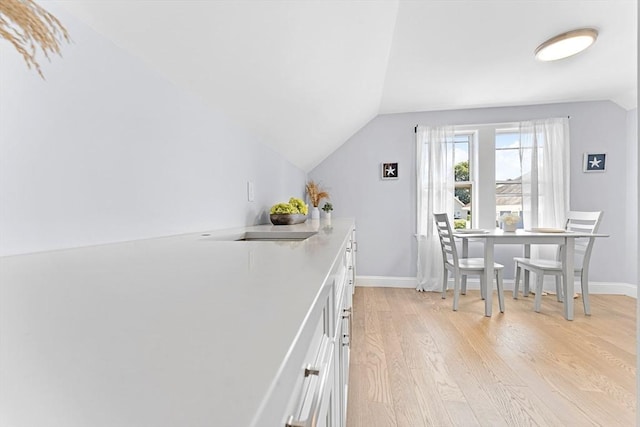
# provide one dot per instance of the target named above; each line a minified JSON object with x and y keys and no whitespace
{"x":306,"y":75}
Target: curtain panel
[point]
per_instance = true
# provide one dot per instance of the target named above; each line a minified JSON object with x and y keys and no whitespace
{"x":544,"y":157}
{"x":435,"y":194}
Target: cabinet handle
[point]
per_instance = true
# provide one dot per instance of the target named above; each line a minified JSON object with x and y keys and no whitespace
{"x":348,"y":318}
{"x":309,"y":370}
{"x":351,"y":267}
{"x":294,"y":423}
{"x":348,"y":249}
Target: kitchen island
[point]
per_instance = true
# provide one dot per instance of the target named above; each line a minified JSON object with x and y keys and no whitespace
{"x":191,"y":330}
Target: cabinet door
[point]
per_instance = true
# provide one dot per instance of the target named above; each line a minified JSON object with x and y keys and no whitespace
{"x":354,"y":253}
{"x":343,"y":360}
{"x":326,"y":414}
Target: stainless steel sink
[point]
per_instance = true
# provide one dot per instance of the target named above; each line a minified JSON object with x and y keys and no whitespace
{"x":277,"y":235}
{"x":266,"y":235}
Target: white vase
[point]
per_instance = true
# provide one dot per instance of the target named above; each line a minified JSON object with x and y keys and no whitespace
{"x":315,"y":213}
{"x":509,"y":227}
{"x":327,"y":216}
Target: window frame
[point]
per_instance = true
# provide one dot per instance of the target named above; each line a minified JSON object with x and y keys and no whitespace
{"x":470,"y":184}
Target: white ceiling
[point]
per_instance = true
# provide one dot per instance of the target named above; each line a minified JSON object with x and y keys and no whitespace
{"x":306,"y":75}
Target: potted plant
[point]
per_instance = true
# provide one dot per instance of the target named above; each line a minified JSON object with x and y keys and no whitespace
{"x":315,"y":194}
{"x":293,"y":212}
{"x":327,"y":208}
{"x":510,"y":221}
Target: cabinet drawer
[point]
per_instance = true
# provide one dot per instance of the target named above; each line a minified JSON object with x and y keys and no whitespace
{"x":309,"y":369}
{"x":316,"y":405}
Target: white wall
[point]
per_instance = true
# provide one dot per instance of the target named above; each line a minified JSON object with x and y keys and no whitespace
{"x":385,"y":210}
{"x":107,"y":150}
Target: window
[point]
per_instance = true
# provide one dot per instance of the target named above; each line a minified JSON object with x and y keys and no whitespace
{"x":513,"y":167}
{"x":508,"y":174}
{"x":463,"y":181}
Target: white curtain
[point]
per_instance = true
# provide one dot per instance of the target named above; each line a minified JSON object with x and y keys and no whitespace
{"x":544,"y":156}
{"x":435,"y":194}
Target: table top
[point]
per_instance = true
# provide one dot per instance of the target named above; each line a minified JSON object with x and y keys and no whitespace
{"x":520,"y":234}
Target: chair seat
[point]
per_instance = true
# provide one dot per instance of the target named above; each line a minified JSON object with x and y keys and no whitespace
{"x":476,"y":264}
{"x":542,"y":264}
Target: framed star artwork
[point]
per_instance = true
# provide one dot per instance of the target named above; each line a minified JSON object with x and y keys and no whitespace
{"x":389,"y":171}
{"x":594,"y":162}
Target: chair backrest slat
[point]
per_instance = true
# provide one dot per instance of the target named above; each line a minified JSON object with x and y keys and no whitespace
{"x":449,"y":250}
{"x":584,"y":222}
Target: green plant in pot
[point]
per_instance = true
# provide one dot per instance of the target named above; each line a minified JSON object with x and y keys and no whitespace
{"x":327,"y":208}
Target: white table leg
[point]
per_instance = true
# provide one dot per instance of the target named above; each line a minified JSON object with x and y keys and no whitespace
{"x":489,"y":275}
{"x":465,"y":254}
{"x":525,"y":288}
{"x":568,"y":272}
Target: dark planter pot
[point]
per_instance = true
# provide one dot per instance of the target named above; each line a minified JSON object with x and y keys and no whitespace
{"x":287,"y":219}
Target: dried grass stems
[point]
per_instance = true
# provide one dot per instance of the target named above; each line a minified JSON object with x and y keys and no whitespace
{"x":316,"y":193}
{"x":28,"y":26}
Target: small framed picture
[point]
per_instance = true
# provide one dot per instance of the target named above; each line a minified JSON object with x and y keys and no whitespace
{"x":595,"y":162}
{"x":389,"y":171}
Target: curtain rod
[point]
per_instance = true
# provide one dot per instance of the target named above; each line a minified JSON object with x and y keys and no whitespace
{"x":415,"y":129}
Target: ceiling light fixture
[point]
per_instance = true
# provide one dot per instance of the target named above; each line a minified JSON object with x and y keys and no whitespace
{"x":566,"y":44}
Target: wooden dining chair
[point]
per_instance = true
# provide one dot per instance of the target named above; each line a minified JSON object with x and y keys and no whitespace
{"x":462,"y":266}
{"x":583,"y":222}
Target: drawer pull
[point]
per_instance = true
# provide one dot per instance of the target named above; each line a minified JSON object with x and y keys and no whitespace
{"x":310,"y":370}
{"x":294,"y":423}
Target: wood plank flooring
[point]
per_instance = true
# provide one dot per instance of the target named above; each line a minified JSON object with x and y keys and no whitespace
{"x":415,"y":362}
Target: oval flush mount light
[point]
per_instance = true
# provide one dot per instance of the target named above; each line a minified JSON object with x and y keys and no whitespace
{"x":566,"y":44}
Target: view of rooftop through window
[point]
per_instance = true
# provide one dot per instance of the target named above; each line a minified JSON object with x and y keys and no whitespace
{"x":508,"y":174}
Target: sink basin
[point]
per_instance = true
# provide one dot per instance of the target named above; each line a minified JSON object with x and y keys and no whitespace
{"x":266,"y":235}
{"x":277,"y":235}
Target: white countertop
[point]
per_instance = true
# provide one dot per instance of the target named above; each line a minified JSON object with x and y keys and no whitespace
{"x":175,"y":331}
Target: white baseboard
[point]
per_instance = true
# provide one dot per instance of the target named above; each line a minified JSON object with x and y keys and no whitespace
{"x":386,"y":282}
{"x":613,"y":288}
{"x":609,"y":288}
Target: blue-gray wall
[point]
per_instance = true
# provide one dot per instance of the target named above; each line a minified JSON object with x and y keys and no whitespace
{"x":385,"y":210}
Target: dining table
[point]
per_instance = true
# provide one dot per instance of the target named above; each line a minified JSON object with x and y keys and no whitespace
{"x":537,"y":236}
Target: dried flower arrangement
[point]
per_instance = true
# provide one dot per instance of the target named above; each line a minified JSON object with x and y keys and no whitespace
{"x":316,"y":193}
{"x":28,"y":26}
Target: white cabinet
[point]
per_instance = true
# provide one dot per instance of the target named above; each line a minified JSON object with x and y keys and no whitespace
{"x":319,"y":397}
{"x":344,"y":282}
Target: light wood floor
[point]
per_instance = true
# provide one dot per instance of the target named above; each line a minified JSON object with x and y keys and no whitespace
{"x":415,"y":362}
